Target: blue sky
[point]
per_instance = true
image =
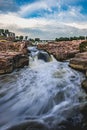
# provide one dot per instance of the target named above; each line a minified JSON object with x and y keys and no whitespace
{"x":46,"y":19}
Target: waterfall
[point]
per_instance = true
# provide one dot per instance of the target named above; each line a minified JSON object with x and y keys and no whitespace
{"x":42,"y":96}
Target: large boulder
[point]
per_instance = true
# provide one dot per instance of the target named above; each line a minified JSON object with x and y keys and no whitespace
{"x":6,"y":64}
{"x":44,"y":56}
{"x":12,"y":55}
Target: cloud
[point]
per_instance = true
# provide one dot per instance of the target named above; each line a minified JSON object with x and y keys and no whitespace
{"x":42,"y":27}
{"x":45,"y":5}
{"x":54,"y":21}
{"x":8,"y":6}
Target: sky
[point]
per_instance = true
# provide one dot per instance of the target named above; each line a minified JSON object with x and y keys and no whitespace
{"x":45,"y":19}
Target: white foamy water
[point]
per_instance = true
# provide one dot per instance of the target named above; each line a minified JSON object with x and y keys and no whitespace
{"x":44,"y":92}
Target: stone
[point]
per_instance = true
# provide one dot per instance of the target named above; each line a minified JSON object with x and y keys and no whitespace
{"x":84,"y":85}
{"x":79,"y":62}
{"x":44,"y":56}
{"x":61,"y":50}
{"x":6,"y":64}
{"x":12,"y":55}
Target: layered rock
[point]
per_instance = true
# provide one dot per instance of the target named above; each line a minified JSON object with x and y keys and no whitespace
{"x":79,"y":62}
{"x":62,"y":50}
{"x":12,"y":55}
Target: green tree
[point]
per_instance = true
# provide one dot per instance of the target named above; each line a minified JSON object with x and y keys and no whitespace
{"x":82,"y":37}
{"x":6,"y":32}
{"x":37,"y":39}
{"x":26,"y":37}
{"x":21,"y":38}
{"x":32,"y":40}
{"x":1,"y":31}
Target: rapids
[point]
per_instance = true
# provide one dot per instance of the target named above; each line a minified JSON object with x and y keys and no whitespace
{"x":42,"y":96}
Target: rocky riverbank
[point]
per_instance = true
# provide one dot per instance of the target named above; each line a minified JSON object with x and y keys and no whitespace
{"x":79,"y":62}
{"x":62,"y":50}
{"x":12,"y":55}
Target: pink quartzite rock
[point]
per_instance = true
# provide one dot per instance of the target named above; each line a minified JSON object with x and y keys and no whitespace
{"x":12,"y":55}
{"x":79,"y":62}
{"x":62,"y":50}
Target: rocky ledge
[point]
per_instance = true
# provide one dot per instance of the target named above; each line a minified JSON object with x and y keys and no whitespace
{"x":80,"y":63}
{"x":12,"y":55}
{"x":62,"y":50}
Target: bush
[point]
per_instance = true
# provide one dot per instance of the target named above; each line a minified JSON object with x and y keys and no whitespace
{"x":83,"y":46}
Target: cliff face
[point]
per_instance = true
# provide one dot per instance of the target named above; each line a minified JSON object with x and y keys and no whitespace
{"x":12,"y":55}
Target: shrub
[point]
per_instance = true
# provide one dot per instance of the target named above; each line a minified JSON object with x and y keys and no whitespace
{"x":83,"y":46}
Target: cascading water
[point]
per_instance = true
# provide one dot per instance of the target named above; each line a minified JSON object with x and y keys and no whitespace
{"x":43,"y":96}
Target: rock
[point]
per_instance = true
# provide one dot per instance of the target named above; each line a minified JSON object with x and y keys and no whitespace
{"x":12,"y":55}
{"x":6,"y":64}
{"x":84,"y":85}
{"x":44,"y":56}
{"x":62,"y":50}
{"x":20,"y":61}
{"x":79,"y":62}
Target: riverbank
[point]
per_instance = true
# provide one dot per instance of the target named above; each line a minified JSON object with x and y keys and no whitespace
{"x":61,"y":50}
{"x":12,"y":55}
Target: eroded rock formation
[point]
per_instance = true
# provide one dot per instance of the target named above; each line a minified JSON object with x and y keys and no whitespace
{"x":12,"y":55}
{"x":62,"y":50}
{"x":79,"y":62}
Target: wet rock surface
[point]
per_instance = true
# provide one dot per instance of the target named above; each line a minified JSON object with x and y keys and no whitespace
{"x":44,"y":56}
{"x":12,"y":55}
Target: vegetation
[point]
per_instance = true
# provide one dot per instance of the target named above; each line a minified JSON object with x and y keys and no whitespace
{"x":37,"y":39}
{"x":83,"y":46}
{"x":6,"y":34}
{"x":71,"y":38}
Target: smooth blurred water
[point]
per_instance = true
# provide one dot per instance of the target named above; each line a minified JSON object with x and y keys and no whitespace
{"x":41,"y":96}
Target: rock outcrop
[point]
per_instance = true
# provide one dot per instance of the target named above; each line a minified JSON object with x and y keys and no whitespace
{"x":44,"y":56}
{"x":62,"y":50}
{"x":12,"y":55}
{"x":79,"y":62}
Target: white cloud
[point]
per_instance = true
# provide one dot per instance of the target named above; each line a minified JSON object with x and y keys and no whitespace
{"x":61,"y":23}
{"x":40,"y":5}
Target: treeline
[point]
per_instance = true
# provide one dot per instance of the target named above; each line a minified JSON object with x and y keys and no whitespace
{"x":71,"y":38}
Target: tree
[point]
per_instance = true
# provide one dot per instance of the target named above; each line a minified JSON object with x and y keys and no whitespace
{"x":82,"y":37}
{"x":37,"y":39}
{"x":21,"y":38}
{"x":6,"y":32}
{"x":1,"y":31}
{"x":26,"y":37}
{"x":32,"y":40}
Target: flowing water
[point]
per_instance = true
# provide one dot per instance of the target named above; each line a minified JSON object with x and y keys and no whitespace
{"x":42,"y":96}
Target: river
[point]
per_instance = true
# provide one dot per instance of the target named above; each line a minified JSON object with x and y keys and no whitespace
{"x":43,"y":96}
